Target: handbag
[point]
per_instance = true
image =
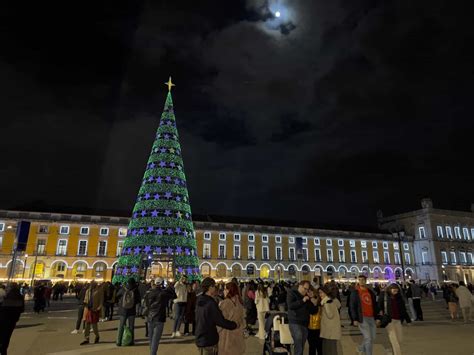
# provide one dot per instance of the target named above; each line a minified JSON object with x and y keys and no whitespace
{"x":386,"y":318}
{"x":284,"y":329}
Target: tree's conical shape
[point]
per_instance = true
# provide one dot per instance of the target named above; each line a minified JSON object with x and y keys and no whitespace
{"x":161,"y":225}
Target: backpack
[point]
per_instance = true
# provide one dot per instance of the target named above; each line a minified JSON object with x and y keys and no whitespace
{"x":128,"y":300}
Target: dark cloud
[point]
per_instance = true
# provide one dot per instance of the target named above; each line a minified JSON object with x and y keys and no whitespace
{"x":362,"y":105}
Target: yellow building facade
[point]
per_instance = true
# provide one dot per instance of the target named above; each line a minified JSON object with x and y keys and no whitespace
{"x":78,"y":247}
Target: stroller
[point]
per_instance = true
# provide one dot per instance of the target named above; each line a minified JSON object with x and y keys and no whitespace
{"x":278,"y":339}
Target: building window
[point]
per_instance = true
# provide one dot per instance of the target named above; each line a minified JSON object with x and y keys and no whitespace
{"x":265,"y":253}
{"x":421,"y":232}
{"x":292,"y":240}
{"x":61,"y":267}
{"x":465,"y":232}
{"x":222,"y":236}
{"x":251,"y":253}
{"x":329,"y":242}
{"x":407,"y":259}
{"x":424,"y":257}
{"x":364,"y":256}
{"x":453,"y":258}
{"x":292,"y":254}
{"x":472,"y":233}
{"x":470,"y":258}
{"x":206,"y":251}
{"x":449,"y":232}
{"x":317,"y":254}
{"x":386,"y":257}
{"x":397,"y":259}
{"x":385,"y":245}
{"x":84,"y":231}
{"x":122,"y":232}
{"x":444,"y":257}
{"x":439,"y":231}
{"x":236,"y":251}
{"x":305,"y":254}
{"x":374,"y":245}
{"x":305,"y":240}
{"x":462,"y":257}
{"x":62,"y":247}
{"x":41,"y":246}
{"x":363,"y":244}
{"x":278,"y":253}
{"x":316,"y":241}
{"x":2,"y":227}
{"x":207,"y":236}
{"x":352,"y":243}
{"x":340,"y":242}
{"x":102,"y":251}
{"x":376,"y":257}
{"x":251,"y":238}
{"x":237,"y":237}
{"x":457,"y":232}
{"x":64,"y":230}
{"x":42,"y":229}
{"x":277,"y":239}
{"x":104,"y":231}
{"x":82,"y":249}
{"x":406,"y":246}
{"x":395,"y":245}
{"x":264,"y":238}
{"x":1,"y":241}
{"x":342,"y":258}
{"x":221,"y":251}
{"x":119,"y":247}
{"x":353,"y":256}
{"x":329,"y":255}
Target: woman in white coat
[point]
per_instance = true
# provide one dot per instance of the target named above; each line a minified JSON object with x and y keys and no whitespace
{"x":330,"y":322}
{"x":465,"y":300}
{"x":262,"y":301}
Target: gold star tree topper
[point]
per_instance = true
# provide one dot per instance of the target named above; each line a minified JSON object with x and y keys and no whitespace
{"x":169,"y":84}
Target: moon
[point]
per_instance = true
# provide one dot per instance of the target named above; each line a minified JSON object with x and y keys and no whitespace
{"x":277,"y":14}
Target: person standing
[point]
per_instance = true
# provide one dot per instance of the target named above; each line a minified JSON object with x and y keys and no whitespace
{"x":314,"y":326}
{"x":465,"y":299}
{"x":179,"y":304}
{"x":189,"y":315}
{"x":12,"y":307}
{"x":250,"y":308}
{"x":395,"y":308}
{"x":452,"y":299}
{"x":208,"y":317}
{"x":330,"y":320}
{"x":262,"y":302}
{"x":40,"y":301}
{"x":299,"y":309}
{"x":80,"y":310}
{"x":129,"y":298}
{"x":363,"y":309}
{"x":231,"y":342}
{"x":156,"y":300}
{"x":416,"y":295}
{"x":93,"y":301}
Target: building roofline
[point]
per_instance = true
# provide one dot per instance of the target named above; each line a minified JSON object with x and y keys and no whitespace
{"x":424,"y":211}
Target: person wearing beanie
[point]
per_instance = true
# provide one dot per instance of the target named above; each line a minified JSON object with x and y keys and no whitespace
{"x":208,"y":318}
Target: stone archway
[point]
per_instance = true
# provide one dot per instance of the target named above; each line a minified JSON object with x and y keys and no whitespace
{"x":305,"y":273}
{"x":79,"y":270}
{"x":100,"y":269}
{"x":221,"y":271}
{"x":58,"y":269}
{"x":236,"y":270}
{"x":264,"y":272}
{"x":205,"y":270}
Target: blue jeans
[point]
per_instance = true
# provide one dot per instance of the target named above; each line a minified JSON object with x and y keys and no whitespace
{"x":131,"y":325}
{"x":367,"y":328}
{"x":299,"y":333}
{"x":179,"y":309}
{"x":155,"y":329}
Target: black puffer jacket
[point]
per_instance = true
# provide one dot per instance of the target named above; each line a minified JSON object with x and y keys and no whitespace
{"x":208,"y":317}
{"x":299,"y":311}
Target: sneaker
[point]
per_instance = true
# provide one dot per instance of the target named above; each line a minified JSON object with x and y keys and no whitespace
{"x":177,"y":334}
{"x":75,"y":331}
{"x":173,"y":335}
{"x":83,"y":331}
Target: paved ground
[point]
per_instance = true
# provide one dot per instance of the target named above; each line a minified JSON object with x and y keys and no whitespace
{"x":49,"y":333}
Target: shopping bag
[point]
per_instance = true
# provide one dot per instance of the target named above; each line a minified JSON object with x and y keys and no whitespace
{"x":127,"y":336}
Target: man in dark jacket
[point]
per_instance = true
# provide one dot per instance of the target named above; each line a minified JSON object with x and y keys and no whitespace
{"x":10,"y":311}
{"x":208,"y":317}
{"x":128,"y":297}
{"x":154,"y":308}
{"x":364,"y":310}
{"x":299,"y":309}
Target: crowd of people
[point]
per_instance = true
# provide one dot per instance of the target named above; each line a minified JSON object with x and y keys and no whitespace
{"x":221,"y":315}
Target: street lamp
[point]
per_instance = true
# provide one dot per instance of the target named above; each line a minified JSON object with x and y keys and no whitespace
{"x":24,"y":266}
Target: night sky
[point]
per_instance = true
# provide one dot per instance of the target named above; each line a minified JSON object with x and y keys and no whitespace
{"x":324,"y":115}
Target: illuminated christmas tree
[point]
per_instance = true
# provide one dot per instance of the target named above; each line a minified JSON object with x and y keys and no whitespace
{"x":161,"y":226}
